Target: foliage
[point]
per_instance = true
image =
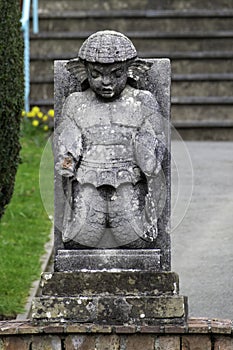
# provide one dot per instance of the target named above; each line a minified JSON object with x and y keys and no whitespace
{"x":11,"y":96}
{"x":24,"y":229}
{"x":38,"y":119}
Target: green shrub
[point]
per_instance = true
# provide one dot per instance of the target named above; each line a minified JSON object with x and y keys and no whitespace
{"x":11,"y":96}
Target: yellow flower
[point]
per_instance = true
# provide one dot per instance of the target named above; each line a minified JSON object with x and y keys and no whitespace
{"x":45,"y":118}
{"x":23,"y":113}
{"x":31,"y":114}
{"x":51,"y":113}
{"x":40,"y":115}
{"x":35,"y":122}
{"x":46,"y":128}
{"x":36,"y":109}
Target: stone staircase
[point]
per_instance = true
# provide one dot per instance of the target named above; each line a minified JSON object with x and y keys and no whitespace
{"x":195,"y":34}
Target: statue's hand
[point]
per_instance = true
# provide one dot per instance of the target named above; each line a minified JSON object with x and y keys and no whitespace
{"x":67,"y":167}
{"x":151,"y":233}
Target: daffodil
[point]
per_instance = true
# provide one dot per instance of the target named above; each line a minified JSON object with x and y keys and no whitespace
{"x":46,"y":128}
{"x":36,"y":109}
{"x":51,"y":113}
{"x":23,"y":113}
{"x":31,"y":114}
{"x":35,"y":122}
{"x":40,"y":115}
{"x":45,"y":117}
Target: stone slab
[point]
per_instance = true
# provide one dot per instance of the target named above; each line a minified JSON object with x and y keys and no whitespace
{"x":109,"y":283}
{"x":111,"y":310}
{"x":107,"y":259}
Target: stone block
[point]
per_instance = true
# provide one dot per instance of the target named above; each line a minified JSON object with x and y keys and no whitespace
{"x":221,"y":326}
{"x":46,"y":343}
{"x":97,"y":260}
{"x":198,"y":325}
{"x":223,"y":343}
{"x":139,"y":342}
{"x":107,"y":342}
{"x":111,"y":309}
{"x":15,"y":343}
{"x":80,"y":342}
{"x":109,"y":282}
{"x":167,"y":343}
{"x":196,"y":342}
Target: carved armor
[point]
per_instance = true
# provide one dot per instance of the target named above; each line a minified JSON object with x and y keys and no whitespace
{"x":110,"y":146}
{"x":108,"y":167}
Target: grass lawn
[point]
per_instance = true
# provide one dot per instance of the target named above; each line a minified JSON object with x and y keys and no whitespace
{"x":24,"y":228}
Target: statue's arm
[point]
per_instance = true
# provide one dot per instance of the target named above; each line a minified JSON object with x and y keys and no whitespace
{"x":150,"y":140}
{"x":68,"y":143}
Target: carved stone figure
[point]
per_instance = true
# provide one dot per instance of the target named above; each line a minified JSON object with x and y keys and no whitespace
{"x":110,"y":145}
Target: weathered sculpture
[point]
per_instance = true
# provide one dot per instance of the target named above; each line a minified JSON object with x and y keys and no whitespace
{"x":112,"y":190}
{"x":111,"y":145}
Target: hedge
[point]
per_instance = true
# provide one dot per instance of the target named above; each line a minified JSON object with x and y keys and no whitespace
{"x":11,"y":96}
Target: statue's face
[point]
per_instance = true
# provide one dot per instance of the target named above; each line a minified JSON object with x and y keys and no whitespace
{"x":107,"y":80}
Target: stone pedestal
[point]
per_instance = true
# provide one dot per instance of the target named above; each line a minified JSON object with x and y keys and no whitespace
{"x":118,"y":297}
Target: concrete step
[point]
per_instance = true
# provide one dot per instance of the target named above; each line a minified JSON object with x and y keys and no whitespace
{"x":43,"y":66}
{"x":195,"y":35}
{"x":76,"y":21}
{"x":189,"y":85}
{"x":181,"y":87}
{"x":82,"y":5}
{"x":72,"y":44}
{"x":197,"y":109}
{"x":182,"y":42}
{"x":202,"y":65}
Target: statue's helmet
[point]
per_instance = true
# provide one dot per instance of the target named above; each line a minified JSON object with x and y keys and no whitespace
{"x":107,"y":46}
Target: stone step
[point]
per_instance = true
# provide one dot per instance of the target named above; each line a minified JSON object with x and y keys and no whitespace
{"x":184,"y":109}
{"x":76,"y":22}
{"x":82,"y":5}
{"x":196,"y":42}
{"x":195,"y":35}
{"x":189,"y":85}
{"x":43,"y":68}
{"x":44,"y":88}
{"x":202,"y":88}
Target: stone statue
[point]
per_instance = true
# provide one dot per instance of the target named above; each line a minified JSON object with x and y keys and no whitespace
{"x":110,"y":145}
{"x":112,"y":191}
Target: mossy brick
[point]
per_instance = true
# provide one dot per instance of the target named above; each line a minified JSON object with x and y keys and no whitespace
{"x":221,"y":326}
{"x":107,"y":342}
{"x":223,"y":343}
{"x":167,"y":343}
{"x":196,"y":342}
{"x":80,"y":342}
{"x":46,"y":342}
{"x":139,"y":342}
{"x":16,"y":343}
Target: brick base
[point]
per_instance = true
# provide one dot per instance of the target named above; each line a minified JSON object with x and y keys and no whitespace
{"x":197,"y":334}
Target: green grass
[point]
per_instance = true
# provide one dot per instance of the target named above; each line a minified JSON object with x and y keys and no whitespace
{"x":24,"y":228}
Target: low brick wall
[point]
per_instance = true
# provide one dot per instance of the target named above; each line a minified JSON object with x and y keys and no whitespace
{"x":198,"y":334}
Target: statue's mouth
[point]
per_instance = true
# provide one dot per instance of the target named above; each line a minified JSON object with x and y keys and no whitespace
{"x":107,"y":92}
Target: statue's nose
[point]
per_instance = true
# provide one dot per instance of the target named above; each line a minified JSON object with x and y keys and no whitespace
{"x":106,"y":80}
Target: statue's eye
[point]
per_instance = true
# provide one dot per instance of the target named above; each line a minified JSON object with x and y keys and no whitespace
{"x":118,"y":73}
{"x":95,"y":74}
